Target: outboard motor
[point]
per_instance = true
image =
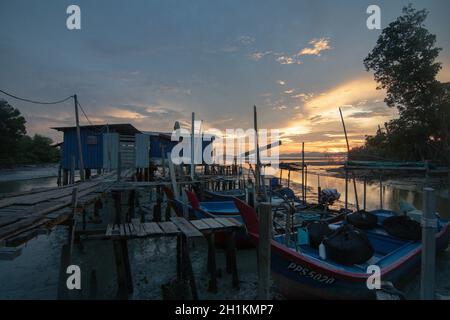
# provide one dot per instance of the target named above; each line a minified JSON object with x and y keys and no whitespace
{"x":329,"y":196}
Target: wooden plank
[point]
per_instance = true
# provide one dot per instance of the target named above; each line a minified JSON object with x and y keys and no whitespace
{"x":186,"y":228}
{"x":152,"y":228}
{"x":169,"y":227}
{"x":235,"y":222}
{"x":21,"y":224}
{"x":8,"y":220}
{"x":213,"y":223}
{"x":200,"y":225}
{"x":225,"y":222}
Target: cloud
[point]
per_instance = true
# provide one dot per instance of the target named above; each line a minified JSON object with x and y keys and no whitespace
{"x":290,"y":91}
{"x":256,"y":56}
{"x":246,"y":40}
{"x":281,"y":82}
{"x":346,"y":94}
{"x":285,"y":60}
{"x":318,"y":45}
{"x":303,"y":96}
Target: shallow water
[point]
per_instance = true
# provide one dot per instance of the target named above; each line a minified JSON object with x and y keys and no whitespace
{"x":27,"y":178}
{"x":393,"y":190}
{"x":35,"y":273}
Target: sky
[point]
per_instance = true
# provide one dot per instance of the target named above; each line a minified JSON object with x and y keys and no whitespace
{"x":151,"y":63}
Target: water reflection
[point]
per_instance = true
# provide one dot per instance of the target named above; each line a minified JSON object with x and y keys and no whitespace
{"x":393,"y":192}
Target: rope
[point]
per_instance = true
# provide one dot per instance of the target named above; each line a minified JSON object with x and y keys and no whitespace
{"x":34,"y":101}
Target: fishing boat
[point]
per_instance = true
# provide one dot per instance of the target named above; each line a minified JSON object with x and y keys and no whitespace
{"x":299,"y":271}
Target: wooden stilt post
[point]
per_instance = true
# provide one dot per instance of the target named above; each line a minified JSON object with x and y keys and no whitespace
{"x":212,"y":268}
{"x":72,"y":170}
{"x":119,"y":166}
{"x":74,"y":225}
{"x":58,"y":182}
{"x":179,"y":258}
{"x":193,"y":147}
{"x":306,"y":184}
{"x":365,"y":194}
{"x":429,"y":228}
{"x":233,"y":261}
{"x":289,"y":178}
{"x":65,"y":177}
{"x":303,"y":173}
{"x":187,"y":266}
{"x":319,"y":189}
{"x":265,"y":237}
{"x":120,"y":246}
{"x":381,"y":192}
{"x":346,"y":189}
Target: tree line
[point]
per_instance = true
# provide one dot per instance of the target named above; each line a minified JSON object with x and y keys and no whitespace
{"x":17,"y":148}
{"x":404,"y":64}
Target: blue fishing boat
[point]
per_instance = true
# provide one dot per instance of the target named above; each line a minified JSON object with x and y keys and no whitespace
{"x":299,"y":271}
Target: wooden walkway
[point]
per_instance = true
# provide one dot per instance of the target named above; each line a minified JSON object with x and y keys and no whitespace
{"x":177,"y":226}
{"x":23,"y":215}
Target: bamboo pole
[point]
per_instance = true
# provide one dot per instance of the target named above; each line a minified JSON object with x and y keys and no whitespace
{"x":365,"y":194}
{"x":80,"y":149}
{"x":258,"y":163}
{"x":381,"y":193}
{"x":348,"y":154}
{"x":192,"y":145}
{"x":303,"y":172}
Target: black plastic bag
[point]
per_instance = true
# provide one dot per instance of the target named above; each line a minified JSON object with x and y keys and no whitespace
{"x":403,"y":227}
{"x":348,"y":245}
{"x":317,"y":231}
{"x":363,"y":220}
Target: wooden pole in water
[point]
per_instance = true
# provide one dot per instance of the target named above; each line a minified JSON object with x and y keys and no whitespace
{"x":348,"y":154}
{"x":289,"y":178}
{"x":173,"y":178}
{"x":365,"y":194}
{"x":80,"y":149}
{"x":72,"y":170}
{"x":265,"y":237}
{"x":192,"y":146}
{"x":429,"y":228}
{"x":346,"y":189}
{"x":319,"y":189}
{"x":258,"y":163}
{"x":306,"y":183}
{"x":303,"y":172}
{"x":381,"y":193}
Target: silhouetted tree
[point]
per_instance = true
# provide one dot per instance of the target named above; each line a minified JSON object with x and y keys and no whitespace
{"x":12,"y":128}
{"x":403,"y":62}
